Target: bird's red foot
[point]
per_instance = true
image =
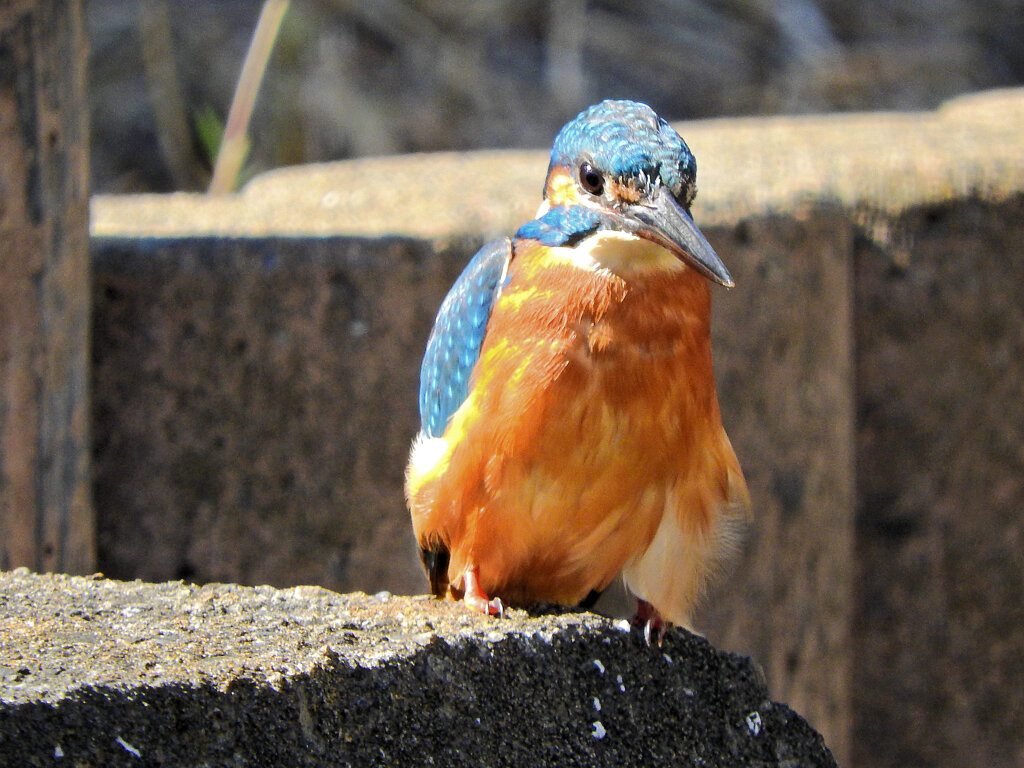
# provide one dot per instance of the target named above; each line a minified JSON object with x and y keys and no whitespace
{"x":654,"y":625}
{"x":477,"y":600}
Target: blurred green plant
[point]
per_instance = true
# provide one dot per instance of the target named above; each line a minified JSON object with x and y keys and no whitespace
{"x":209,"y":130}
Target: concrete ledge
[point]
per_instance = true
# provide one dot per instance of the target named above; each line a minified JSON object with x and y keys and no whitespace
{"x":98,"y":672}
{"x":748,"y":167}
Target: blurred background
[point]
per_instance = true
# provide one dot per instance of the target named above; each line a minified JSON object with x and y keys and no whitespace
{"x":349,"y":78}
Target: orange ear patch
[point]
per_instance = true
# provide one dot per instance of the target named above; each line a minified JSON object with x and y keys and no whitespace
{"x":625,"y":192}
{"x":561,"y":187}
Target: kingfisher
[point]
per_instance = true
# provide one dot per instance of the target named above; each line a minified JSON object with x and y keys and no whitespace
{"x":570,"y":427}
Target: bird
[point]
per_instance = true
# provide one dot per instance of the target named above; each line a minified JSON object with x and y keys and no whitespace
{"x":570,"y":426}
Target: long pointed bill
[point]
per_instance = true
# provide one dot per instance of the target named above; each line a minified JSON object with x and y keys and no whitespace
{"x":665,"y":222}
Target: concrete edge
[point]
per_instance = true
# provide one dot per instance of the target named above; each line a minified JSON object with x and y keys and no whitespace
{"x":883,"y":161}
{"x":104,"y":673}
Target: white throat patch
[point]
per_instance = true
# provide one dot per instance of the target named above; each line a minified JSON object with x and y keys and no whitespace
{"x":620,"y":253}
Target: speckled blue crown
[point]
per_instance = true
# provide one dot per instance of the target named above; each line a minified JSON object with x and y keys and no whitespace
{"x":626,"y":138}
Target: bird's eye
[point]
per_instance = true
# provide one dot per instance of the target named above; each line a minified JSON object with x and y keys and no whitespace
{"x":591,"y":180}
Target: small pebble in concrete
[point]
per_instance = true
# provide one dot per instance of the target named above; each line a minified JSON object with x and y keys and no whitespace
{"x":128,"y":747}
{"x":754,"y":723}
{"x":599,"y":731}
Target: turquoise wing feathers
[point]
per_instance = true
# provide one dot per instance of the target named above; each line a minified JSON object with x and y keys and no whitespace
{"x":458,"y":335}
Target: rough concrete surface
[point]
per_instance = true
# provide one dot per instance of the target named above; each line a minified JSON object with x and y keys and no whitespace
{"x":939,"y":628}
{"x":746,"y":167}
{"x":254,"y":404}
{"x":97,"y":673}
{"x":255,"y":367}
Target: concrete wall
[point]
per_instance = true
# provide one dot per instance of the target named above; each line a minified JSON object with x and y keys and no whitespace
{"x":255,"y":365}
{"x":939,"y":569}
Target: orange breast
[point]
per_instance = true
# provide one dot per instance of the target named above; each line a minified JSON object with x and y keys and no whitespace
{"x":593,"y":404}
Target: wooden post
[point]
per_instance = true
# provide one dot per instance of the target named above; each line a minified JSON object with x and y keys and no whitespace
{"x":46,"y":517}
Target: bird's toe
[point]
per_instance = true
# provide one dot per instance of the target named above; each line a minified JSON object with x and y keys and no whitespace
{"x":476,"y":599}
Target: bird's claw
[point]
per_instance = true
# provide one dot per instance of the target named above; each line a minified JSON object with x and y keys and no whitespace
{"x":492,"y":607}
{"x":654,"y":631}
{"x":654,"y":626}
{"x":476,"y":599}
{"x":496,"y":608}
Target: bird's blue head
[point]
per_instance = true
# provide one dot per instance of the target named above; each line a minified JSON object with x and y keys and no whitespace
{"x":626,"y":144}
{"x":618,"y":166}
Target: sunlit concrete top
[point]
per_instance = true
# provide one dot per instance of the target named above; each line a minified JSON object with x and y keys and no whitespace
{"x":883,"y":161}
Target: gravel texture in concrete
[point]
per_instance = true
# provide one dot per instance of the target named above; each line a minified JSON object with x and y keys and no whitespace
{"x":98,"y":672}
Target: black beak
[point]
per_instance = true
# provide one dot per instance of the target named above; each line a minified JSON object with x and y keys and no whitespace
{"x":664,"y":221}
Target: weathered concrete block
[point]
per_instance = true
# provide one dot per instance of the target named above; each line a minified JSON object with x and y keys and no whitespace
{"x":253,"y":407}
{"x":783,"y":346}
{"x":103,"y":673}
{"x":939,"y":627}
{"x":256,"y":374}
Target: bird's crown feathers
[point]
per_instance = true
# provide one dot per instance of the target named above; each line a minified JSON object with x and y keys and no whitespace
{"x":628,"y":141}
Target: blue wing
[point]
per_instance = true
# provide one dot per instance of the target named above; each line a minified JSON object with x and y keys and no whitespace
{"x":454,"y":344}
